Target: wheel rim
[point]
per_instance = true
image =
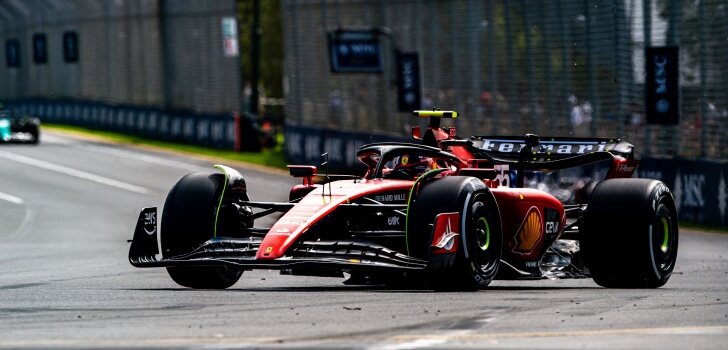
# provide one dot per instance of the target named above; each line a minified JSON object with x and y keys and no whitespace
{"x":665,"y":235}
{"x":663,"y":239}
{"x":482,"y":233}
{"x":484,"y":239}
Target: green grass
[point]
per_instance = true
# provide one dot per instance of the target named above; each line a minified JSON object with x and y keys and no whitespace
{"x":273,"y":157}
{"x":712,"y":229}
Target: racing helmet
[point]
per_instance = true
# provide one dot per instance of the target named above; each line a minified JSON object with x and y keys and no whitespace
{"x":413,"y":166}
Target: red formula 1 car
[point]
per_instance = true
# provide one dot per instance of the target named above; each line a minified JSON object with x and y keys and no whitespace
{"x":446,"y":213}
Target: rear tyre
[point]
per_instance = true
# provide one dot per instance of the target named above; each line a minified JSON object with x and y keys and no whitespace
{"x":34,"y":131}
{"x":476,"y":261}
{"x":630,"y":233}
{"x":188,"y":220}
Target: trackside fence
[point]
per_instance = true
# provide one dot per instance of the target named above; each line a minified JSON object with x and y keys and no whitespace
{"x":217,"y":130}
{"x":567,"y":67}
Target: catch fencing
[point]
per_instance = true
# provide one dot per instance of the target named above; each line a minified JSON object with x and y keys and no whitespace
{"x":570,"y":67}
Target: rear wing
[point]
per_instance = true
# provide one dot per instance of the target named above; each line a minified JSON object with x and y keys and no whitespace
{"x":531,"y":152}
{"x":534,"y":149}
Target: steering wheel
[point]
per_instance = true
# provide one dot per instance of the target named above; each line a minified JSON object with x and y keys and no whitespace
{"x":398,"y":174}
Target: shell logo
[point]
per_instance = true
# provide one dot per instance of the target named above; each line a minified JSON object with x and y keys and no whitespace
{"x":530,"y":232}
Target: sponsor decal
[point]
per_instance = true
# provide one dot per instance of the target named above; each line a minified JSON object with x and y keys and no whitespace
{"x":393,"y":221}
{"x":150,"y":222}
{"x":530,"y":232}
{"x":292,"y":220}
{"x":503,"y":178}
{"x":397,"y":197}
{"x":553,"y":222}
{"x":408,"y":82}
{"x":269,"y":249}
{"x":624,"y":168}
{"x":531,"y":263}
{"x":689,"y":191}
{"x":662,"y":87}
{"x":547,"y":147}
{"x":283,"y":228}
{"x":447,"y":227}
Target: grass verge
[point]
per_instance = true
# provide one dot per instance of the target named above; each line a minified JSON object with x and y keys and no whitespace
{"x":712,"y":229}
{"x":273,"y":157}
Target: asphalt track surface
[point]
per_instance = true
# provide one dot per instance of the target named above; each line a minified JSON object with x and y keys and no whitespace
{"x":68,"y":207}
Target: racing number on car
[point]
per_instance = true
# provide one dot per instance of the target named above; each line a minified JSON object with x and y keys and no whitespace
{"x":503,"y":178}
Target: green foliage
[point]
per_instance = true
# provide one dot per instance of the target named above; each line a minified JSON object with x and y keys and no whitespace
{"x":271,"y":55}
{"x":700,"y":32}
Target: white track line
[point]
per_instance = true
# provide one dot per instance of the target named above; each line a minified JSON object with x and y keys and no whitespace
{"x":143,"y":157}
{"x":127,"y":154}
{"x":10,"y":198}
{"x":55,"y":140}
{"x":73,"y":172}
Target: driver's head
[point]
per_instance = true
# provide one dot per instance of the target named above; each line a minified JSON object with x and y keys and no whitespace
{"x":414,"y":165}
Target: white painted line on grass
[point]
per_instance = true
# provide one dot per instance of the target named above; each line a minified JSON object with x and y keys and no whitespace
{"x":10,"y":198}
{"x":73,"y":172}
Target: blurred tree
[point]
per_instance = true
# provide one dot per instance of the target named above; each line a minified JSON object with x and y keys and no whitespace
{"x":696,"y":30}
{"x":271,"y":53}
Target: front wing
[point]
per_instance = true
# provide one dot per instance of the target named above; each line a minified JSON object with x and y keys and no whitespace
{"x":241,"y":252}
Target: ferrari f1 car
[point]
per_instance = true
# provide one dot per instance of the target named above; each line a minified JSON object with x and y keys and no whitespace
{"x":14,"y":128}
{"x":444,"y":212}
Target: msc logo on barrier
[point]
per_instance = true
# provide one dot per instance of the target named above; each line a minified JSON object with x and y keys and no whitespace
{"x":689,"y":190}
{"x":661,"y":85}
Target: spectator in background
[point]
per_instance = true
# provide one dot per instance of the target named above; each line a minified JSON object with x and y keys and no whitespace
{"x":576,"y":116}
{"x":580,"y":116}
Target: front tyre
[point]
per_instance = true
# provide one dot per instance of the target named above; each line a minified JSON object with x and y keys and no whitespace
{"x":475,"y":263}
{"x":188,"y":220}
{"x":630,"y":233}
{"x":481,"y":244}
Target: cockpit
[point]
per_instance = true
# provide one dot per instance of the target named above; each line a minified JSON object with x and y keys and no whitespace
{"x":403,"y":161}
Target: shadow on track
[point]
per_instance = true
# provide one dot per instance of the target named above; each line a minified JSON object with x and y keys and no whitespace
{"x":378,"y":289}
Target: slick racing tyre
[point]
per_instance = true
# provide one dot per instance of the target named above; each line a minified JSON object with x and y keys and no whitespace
{"x":474,"y":263}
{"x":34,"y":131}
{"x":188,"y":220}
{"x":630,"y":233}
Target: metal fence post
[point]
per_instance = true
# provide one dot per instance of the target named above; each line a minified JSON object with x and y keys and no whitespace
{"x":591,"y":75}
{"x":492,"y":67}
{"x":703,"y":79}
{"x":647,"y":35}
{"x":512,"y":96}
